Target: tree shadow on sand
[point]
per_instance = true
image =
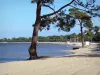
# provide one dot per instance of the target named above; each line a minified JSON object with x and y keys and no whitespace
{"x":84,"y":55}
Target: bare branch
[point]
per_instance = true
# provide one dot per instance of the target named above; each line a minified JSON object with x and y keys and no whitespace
{"x":58,"y":9}
{"x":79,"y":3}
{"x":78,"y":8}
{"x":87,"y":5}
{"x":48,"y":7}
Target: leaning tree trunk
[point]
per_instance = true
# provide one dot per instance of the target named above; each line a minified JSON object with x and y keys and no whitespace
{"x":82,"y":34}
{"x":32,"y":48}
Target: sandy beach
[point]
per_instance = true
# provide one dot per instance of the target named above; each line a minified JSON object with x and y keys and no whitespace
{"x":84,"y":61}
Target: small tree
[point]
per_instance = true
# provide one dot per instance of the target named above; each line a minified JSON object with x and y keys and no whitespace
{"x":83,"y":19}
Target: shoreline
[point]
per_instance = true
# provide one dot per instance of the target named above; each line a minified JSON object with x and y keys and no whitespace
{"x":73,"y":43}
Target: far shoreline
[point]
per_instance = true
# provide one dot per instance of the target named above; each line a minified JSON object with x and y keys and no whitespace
{"x":63,"y":43}
{"x":38,"y":42}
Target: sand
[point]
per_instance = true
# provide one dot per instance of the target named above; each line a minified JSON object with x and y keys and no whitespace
{"x":83,"y":62}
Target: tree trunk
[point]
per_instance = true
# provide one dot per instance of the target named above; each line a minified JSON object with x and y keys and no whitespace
{"x":82,"y":35}
{"x":32,"y":48}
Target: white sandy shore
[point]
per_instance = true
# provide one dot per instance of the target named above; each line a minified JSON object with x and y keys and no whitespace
{"x":75,"y":65}
{"x":87,"y":50}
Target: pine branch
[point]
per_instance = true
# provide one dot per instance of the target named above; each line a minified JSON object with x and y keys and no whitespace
{"x":58,"y":10}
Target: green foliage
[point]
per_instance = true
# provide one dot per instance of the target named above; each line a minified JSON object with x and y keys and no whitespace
{"x":62,"y":21}
{"x":89,"y":33}
{"x":78,"y":14}
{"x":88,"y":24}
{"x":45,"y":23}
{"x":97,"y":37}
{"x":65,"y":22}
{"x":96,"y":29}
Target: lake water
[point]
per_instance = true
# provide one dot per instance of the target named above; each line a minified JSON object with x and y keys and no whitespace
{"x":19,"y":51}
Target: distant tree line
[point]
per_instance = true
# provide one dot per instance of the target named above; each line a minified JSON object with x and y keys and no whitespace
{"x":62,"y":38}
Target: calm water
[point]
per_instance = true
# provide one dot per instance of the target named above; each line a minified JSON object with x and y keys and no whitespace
{"x":19,"y":51}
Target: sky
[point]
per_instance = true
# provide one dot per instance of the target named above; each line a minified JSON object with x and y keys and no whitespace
{"x":17,"y":17}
